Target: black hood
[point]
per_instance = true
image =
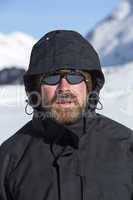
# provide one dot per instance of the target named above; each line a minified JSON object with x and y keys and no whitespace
{"x":61,"y":49}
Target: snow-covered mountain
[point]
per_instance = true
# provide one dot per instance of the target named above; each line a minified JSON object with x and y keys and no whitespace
{"x":113,"y":37}
{"x":15,"y":49}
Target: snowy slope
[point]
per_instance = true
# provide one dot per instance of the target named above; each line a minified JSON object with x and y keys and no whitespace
{"x":113,"y":37}
{"x":15,"y":49}
{"x":116,"y":96}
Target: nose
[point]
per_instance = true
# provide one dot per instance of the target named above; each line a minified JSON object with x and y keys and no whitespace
{"x":63,"y":84}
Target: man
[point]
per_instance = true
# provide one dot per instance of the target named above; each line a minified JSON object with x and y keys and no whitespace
{"x":67,"y":150}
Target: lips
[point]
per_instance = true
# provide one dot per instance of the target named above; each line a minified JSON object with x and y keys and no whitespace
{"x":65,"y":98}
{"x":64,"y":101}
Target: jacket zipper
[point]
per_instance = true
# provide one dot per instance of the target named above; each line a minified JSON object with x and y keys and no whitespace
{"x":83,"y":192}
{"x":58,"y":178}
{"x":57,"y":167}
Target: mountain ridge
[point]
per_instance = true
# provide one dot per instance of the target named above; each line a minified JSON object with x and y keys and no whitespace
{"x":113,"y":36}
{"x":15,"y":49}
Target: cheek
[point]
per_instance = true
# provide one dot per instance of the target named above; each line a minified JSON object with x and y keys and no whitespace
{"x":48,"y":92}
{"x":80,"y":91}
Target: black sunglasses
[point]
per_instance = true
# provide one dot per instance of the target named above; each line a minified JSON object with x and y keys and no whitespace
{"x":72,"y":77}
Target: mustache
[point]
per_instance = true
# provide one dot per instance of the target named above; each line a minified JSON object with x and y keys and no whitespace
{"x":65,"y":96}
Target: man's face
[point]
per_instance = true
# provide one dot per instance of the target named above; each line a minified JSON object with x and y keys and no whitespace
{"x":65,"y":101}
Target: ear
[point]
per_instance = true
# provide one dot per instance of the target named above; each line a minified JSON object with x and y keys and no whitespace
{"x":88,"y":81}
{"x":34,"y":99}
{"x":93,"y":98}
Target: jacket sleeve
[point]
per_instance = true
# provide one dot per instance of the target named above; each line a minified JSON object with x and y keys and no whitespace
{"x":4,"y":170}
{"x":131,"y":156}
{"x":132,"y":186}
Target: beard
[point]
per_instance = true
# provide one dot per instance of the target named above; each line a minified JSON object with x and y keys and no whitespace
{"x":65,"y":107}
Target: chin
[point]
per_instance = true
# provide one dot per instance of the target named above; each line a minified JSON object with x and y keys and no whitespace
{"x":66,"y":115}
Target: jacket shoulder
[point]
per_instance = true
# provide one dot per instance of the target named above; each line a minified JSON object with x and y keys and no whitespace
{"x":12,"y":149}
{"x":114,"y":128}
{"x":18,"y":139}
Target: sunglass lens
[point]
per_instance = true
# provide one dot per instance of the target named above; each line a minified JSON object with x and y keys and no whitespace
{"x":74,"y":78}
{"x":51,"y":79}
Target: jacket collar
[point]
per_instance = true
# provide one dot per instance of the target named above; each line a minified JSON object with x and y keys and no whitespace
{"x":53,"y":132}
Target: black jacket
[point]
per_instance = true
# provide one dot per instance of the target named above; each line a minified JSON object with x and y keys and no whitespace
{"x":47,"y":161}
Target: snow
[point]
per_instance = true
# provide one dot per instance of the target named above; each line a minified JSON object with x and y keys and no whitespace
{"x":123,"y":10}
{"x":15,"y":49}
{"x":116,"y":96}
{"x":113,"y":37}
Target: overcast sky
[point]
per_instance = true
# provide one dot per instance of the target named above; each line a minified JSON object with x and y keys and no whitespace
{"x":36,"y":17}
